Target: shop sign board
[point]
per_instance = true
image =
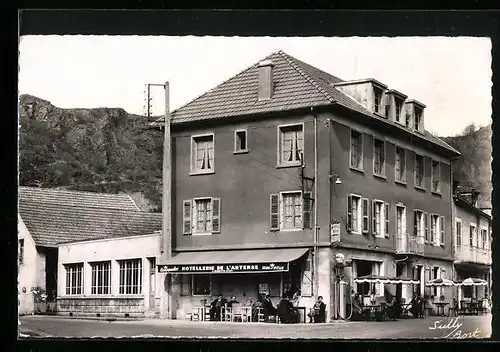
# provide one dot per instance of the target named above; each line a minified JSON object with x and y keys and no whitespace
{"x":335,"y":232}
{"x":223,"y":268}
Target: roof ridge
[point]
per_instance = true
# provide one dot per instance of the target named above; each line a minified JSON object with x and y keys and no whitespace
{"x":306,"y":76}
{"x":124,"y":195}
{"x":92,"y":208}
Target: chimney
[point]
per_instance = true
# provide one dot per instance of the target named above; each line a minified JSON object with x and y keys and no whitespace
{"x":266,"y":82}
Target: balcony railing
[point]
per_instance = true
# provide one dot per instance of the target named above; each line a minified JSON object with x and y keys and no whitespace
{"x":473,"y":255}
{"x":409,"y":244}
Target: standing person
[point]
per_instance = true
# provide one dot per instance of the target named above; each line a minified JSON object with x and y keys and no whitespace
{"x":216,"y":307}
{"x":268,"y":307}
{"x":318,"y":313}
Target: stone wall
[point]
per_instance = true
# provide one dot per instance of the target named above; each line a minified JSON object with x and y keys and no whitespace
{"x":103,"y":307}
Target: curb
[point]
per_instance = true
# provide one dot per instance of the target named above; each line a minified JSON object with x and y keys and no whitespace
{"x":67,"y":317}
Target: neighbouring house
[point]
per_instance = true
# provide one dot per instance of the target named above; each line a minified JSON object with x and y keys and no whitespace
{"x":48,"y":217}
{"x":282,"y":167}
{"x":472,"y":243}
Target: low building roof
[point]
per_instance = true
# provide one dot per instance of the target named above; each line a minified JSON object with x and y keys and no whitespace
{"x":52,"y":222}
{"x":297,"y":85}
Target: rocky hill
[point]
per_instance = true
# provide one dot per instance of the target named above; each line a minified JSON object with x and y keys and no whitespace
{"x":102,"y":150}
{"x":473,"y":168}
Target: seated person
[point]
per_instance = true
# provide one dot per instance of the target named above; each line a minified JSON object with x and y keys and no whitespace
{"x":232,"y":301}
{"x":286,"y":312}
{"x":257,"y":307}
{"x":416,"y":306}
{"x":215,"y":308}
{"x":357,"y":308}
{"x":268,"y":307}
{"x":318,"y":313}
{"x":391,"y":307}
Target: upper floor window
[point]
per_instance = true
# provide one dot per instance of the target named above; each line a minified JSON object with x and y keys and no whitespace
{"x":356,"y":150}
{"x":419,"y":171}
{"x":202,"y":154}
{"x":417,"y":119}
{"x":437,"y":229}
{"x":130,"y":277}
{"x":357,"y":214}
{"x":379,"y":157}
{"x":240,"y":141}
{"x":380,"y":218}
{"x":399,"y":107}
{"x":419,"y":224}
{"x":291,"y":145}
{"x":378,"y":99}
{"x":101,"y":278}
{"x":436,"y":176}
{"x":201,"y":216}
{"x":458,"y":232}
{"x":400,"y":165}
{"x":400,"y":219}
{"x":472,"y":235}
{"x":20,"y":251}
{"x":74,"y":279}
{"x":290,"y":210}
{"x":484,"y":238}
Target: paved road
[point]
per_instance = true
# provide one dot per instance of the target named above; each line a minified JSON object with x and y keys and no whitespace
{"x":431,"y":327}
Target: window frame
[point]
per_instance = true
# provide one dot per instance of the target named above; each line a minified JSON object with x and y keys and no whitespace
{"x":422,"y":185}
{"x":417,"y":118}
{"x":94,"y":278}
{"x":80,"y":286}
{"x":457,"y":236}
{"x":435,"y":241}
{"x":237,"y":150}
{"x":404,"y":225}
{"x":123,"y":286}
{"x":194,"y":217}
{"x":383,"y":172}
{"x":403,"y":180}
{"x":294,"y":163}
{"x":193,"y":285}
{"x":193,"y":169}
{"x":378,"y":104}
{"x":419,"y":214}
{"x":282,"y":210}
{"x":398,"y":115}
{"x":474,"y":235}
{"x":359,"y":214}
{"x":382,"y":221}
{"x":484,"y":241}
{"x":359,"y":167}
{"x":438,"y":189}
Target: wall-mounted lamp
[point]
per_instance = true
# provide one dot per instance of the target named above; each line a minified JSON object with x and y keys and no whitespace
{"x":337,"y":179}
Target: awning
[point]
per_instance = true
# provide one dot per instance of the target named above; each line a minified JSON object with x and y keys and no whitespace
{"x":377,"y":279}
{"x":232,"y":261}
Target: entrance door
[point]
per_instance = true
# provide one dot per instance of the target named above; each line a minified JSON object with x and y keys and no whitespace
{"x":152,"y":282}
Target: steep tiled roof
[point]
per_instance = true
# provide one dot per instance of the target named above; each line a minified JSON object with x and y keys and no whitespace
{"x":296,"y":85}
{"x":82,"y":199}
{"x":54,"y":217}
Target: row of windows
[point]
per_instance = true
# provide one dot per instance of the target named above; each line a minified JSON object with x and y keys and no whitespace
{"x":360,"y":210}
{"x":473,"y":239}
{"x":130,"y":277}
{"x":385,"y":110}
{"x":379,"y":162}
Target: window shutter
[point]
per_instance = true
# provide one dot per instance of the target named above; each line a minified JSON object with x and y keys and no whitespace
{"x":306,"y":210}
{"x":275,"y":215}
{"x":426,"y":224}
{"x":187,"y":217}
{"x":374,"y":219}
{"x":216,"y":215}
{"x":441,"y":230}
{"x":415,"y":228}
{"x":349,"y":213}
{"x":366,"y":218}
{"x":386,"y":214}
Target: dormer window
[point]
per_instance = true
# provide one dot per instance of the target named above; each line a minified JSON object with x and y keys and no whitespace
{"x":418,"y":119}
{"x":378,"y":100}
{"x":399,"y":107}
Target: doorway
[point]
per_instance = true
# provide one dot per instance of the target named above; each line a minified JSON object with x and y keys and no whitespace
{"x":152,"y":283}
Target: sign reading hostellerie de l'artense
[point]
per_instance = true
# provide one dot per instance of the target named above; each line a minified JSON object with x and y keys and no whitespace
{"x":223,"y":268}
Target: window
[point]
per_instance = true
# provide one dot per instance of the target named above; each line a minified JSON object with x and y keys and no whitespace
{"x":20,"y":251}
{"x":378,"y":99}
{"x":400,"y":219}
{"x":290,"y":210}
{"x":418,"y":119}
{"x":400,"y":165}
{"x":399,"y":108}
{"x":437,"y":229}
{"x":202,"y":153}
{"x":101,"y":278}
{"x":378,"y":157}
{"x":408,"y":120}
{"x":426,"y":227}
{"x":419,"y":224}
{"x":379,"y":218}
{"x":240,"y":141}
{"x":435,"y":275}
{"x":435,"y":176}
{"x":354,"y":213}
{"x":291,"y":145}
{"x":130,"y":277}
{"x":419,"y":171}
{"x":74,"y":279}
{"x":356,"y":150}
{"x":458,"y":232}
{"x":201,"y":285}
{"x":472,"y":233}
{"x":484,"y":238}
{"x":201,"y":216}
{"x":387,"y":110}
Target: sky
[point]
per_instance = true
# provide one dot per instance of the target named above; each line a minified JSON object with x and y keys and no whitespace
{"x":451,"y":76}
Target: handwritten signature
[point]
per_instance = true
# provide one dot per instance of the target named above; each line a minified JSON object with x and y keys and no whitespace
{"x":455,"y":329}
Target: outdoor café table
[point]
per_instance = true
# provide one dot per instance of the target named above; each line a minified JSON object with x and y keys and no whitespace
{"x":440,"y":307}
{"x":374,"y":308}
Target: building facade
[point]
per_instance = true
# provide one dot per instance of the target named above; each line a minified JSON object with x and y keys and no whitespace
{"x":285,"y":166}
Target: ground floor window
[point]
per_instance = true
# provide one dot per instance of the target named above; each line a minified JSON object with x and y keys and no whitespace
{"x":130,"y":277}
{"x":74,"y":279}
{"x":101,"y":278}
{"x":201,"y":285}
{"x":363,"y":268}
